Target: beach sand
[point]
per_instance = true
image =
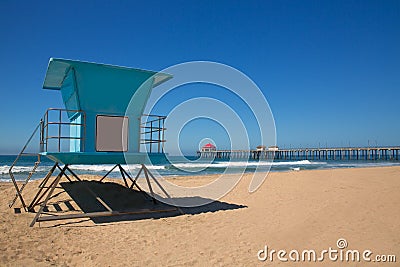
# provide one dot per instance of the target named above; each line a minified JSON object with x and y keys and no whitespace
{"x":296,"y":210}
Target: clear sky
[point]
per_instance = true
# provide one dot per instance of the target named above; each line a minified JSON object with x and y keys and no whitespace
{"x":330,"y":70}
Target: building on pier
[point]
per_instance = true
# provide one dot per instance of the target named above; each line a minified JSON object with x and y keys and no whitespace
{"x":261,"y":148}
{"x":273,"y":148}
{"x":209,"y":148}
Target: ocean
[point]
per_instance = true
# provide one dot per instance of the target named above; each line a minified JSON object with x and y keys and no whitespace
{"x":193,"y":166}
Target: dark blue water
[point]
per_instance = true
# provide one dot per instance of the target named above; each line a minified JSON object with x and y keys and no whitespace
{"x":179,"y":167}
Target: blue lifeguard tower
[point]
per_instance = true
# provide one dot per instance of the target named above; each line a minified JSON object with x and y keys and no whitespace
{"x":99,"y":130}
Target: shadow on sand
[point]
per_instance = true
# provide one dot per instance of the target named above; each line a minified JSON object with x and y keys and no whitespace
{"x":93,"y":196}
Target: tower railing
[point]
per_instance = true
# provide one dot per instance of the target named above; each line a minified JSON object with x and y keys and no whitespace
{"x":58,"y":123}
{"x":43,"y":130}
{"x":152,"y":132}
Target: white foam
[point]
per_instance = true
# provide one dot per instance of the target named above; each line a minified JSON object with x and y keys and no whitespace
{"x":4,"y":169}
{"x":155,"y":167}
{"x":17,"y":169}
{"x":107,"y":167}
{"x":227,"y":164}
{"x":92,"y":168}
{"x":300,"y":162}
{"x":21,"y":169}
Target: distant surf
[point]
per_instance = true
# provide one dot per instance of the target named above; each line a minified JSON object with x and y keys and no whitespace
{"x":188,"y":166}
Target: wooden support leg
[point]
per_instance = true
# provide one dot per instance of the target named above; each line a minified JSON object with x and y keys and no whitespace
{"x":48,"y":175}
{"x":53,"y":186}
{"x":134,"y":182}
{"x":148,"y":182}
{"x":42,"y":185}
{"x":158,"y":184}
{"x":73,"y":174}
{"x":108,"y":172}
{"x":123,"y":175}
{"x":66,"y":176}
{"x":162,"y":188}
{"x":137,"y":176}
{"x":37,"y":199}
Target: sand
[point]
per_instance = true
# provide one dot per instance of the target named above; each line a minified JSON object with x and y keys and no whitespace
{"x":296,"y":210}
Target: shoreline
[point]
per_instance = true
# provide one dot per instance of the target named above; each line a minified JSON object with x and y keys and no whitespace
{"x":196,"y":174}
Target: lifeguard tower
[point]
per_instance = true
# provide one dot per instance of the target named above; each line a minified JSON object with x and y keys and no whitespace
{"x":94,"y":127}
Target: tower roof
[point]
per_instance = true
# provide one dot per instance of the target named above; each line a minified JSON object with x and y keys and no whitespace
{"x":97,"y":87}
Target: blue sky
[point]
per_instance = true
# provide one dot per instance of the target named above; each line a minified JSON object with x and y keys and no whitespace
{"x":330,"y":70}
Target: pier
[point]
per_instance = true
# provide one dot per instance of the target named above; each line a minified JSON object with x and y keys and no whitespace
{"x":343,"y":153}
